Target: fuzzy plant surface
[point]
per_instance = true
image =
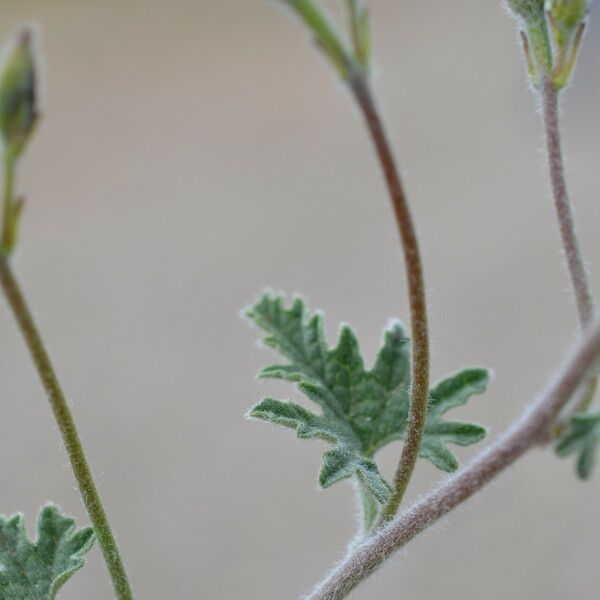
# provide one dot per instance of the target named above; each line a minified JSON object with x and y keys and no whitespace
{"x":552,"y":31}
{"x":361,"y":410}
{"x":37,"y":570}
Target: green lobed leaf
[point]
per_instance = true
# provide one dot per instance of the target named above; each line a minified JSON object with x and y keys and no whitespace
{"x":36,"y":571}
{"x":450,"y":393}
{"x":362,"y":410}
{"x":582,"y":438}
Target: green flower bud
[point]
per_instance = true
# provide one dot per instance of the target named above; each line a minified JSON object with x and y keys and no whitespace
{"x":18,"y":96}
{"x":567,"y":15}
{"x":567,"y":24}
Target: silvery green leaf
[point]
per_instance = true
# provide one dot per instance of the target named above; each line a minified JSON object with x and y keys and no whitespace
{"x":361,"y":410}
{"x":37,"y":570}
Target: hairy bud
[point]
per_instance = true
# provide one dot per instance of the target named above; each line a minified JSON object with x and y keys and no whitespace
{"x":18,"y":96}
{"x":567,"y":24}
{"x":567,"y":14}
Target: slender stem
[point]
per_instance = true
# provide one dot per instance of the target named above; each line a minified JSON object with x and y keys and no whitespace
{"x":564,"y":212}
{"x":566,"y":220}
{"x":416,"y":291}
{"x":7,"y":209}
{"x":526,"y":433}
{"x":68,"y":430}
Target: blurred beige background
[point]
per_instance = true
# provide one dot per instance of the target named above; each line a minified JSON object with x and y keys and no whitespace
{"x":193,"y":152}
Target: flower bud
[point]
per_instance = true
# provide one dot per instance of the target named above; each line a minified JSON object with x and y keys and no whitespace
{"x":567,"y":15}
{"x":567,"y":24}
{"x":18,"y":96}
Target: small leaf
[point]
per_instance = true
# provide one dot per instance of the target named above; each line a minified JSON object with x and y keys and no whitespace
{"x":341,"y":463}
{"x":36,"y":571}
{"x":435,"y":451}
{"x":582,"y":438}
{"x":306,"y":424}
{"x":452,"y":392}
{"x":362,"y":410}
{"x":456,"y":390}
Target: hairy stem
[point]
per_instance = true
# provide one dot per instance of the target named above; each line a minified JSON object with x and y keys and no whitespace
{"x":566,"y":220}
{"x":68,"y":430}
{"x":564,"y":212}
{"x":530,"y":430}
{"x":416,"y":290}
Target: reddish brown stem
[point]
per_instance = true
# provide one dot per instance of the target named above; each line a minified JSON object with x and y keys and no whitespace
{"x":416,"y":292}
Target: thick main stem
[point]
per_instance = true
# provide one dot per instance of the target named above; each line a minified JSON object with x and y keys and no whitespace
{"x":566,"y":220}
{"x":68,"y":430}
{"x":416,"y":292}
{"x":530,"y":430}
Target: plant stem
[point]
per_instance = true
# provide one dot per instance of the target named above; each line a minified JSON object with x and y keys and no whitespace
{"x":527,"y":432}
{"x":564,"y":211}
{"x":68,"y":430}
{"x":416,"y":291}
{"x":566,"y":220}
{"x":9,"y":183}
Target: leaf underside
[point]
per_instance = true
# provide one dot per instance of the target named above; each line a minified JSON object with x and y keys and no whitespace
{"x":36,"y":571}
{"x":361,"y":410}
{"x":581,"y":438}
